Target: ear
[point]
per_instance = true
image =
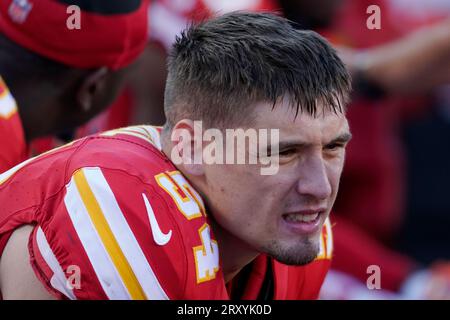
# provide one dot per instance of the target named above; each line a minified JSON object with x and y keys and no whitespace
{"x":186,"y":145}
{"x":91,"y":86}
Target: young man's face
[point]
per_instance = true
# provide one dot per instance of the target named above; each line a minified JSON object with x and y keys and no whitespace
{"x":282,"y":214}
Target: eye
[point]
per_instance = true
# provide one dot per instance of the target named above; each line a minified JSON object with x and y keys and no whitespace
{"x":334,"y":146}
{"x":287,"y":152}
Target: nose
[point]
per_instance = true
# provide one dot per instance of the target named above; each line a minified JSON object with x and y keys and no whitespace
{"x":313,"y":181}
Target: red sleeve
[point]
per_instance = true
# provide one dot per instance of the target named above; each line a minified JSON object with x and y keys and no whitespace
{"x":98,"y":242}
{"x":112,"y":225}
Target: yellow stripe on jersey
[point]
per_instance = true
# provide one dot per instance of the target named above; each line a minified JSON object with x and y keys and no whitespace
{"x":107,"y":237}
{"x":3,"y":88}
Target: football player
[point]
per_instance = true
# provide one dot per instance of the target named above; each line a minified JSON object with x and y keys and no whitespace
{"x":118,"y":216}
{"x":62,"y":64}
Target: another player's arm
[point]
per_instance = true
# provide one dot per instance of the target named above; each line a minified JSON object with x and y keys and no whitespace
{"x":17,"y":278}
{"x":389,"y":65}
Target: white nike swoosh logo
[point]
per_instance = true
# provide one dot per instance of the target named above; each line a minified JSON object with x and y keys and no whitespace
{"x":159,"y":237}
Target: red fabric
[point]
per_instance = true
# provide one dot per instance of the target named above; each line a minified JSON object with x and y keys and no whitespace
{"x":290,"y":282}
{"x":41,"y":189}
{"x":303,"y":282}
{"x":12,"y":137}
{"x":200,"y":9}
{"x":373,"y":181}
{"x":371,"y":193}
{"x":255,"y":279}
{"x":349,"y":27}
{"x":370,"y":203}
{"x":113,"y":41}
{"x":168,"y":18}
{"x":355,"y":250}
{"x":129,"y":165}
{"x":40,"y":267}
{"x":209,"y":8}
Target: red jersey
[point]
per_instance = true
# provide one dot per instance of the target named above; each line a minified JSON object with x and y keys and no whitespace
{"x":114,"y":219}
{"x":12,"y":136}
{"x":269,"y":279}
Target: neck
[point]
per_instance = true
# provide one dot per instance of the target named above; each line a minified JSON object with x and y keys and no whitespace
{"x":33,"y":103}
{"x":234,"y":253}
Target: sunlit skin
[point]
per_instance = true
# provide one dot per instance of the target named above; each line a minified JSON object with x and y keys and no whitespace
{"x":249,"y":209}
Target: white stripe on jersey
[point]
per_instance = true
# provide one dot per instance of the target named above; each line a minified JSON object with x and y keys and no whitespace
{"x":7,"y":105}
{"x":102,"y":264}
{"x":124,"y":235}
{"x":58,"y":280}
{"x":329,"y":237}
{"x":156,"y":136}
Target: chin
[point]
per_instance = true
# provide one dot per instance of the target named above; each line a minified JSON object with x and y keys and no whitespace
{"x":298,"y":254}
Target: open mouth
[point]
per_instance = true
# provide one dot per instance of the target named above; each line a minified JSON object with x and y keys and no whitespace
{"x":298,"y":217}
{"x":304,"y":222}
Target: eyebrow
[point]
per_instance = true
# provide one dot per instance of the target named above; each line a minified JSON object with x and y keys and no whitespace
{"x":341,"y":139}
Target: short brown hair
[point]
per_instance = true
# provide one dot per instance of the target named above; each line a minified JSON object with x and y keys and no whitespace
{"x":219,"y":67}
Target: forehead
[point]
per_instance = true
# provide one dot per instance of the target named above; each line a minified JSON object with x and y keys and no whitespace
{"x":323,"y":127}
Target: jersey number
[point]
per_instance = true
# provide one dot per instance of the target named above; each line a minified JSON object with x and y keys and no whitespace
{"x":189,"y":203}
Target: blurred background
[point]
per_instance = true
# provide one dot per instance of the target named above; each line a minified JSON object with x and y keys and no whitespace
{"x":393,"y":209}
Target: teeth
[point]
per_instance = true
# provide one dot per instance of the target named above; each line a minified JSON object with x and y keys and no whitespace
{"x":302,"y":217}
